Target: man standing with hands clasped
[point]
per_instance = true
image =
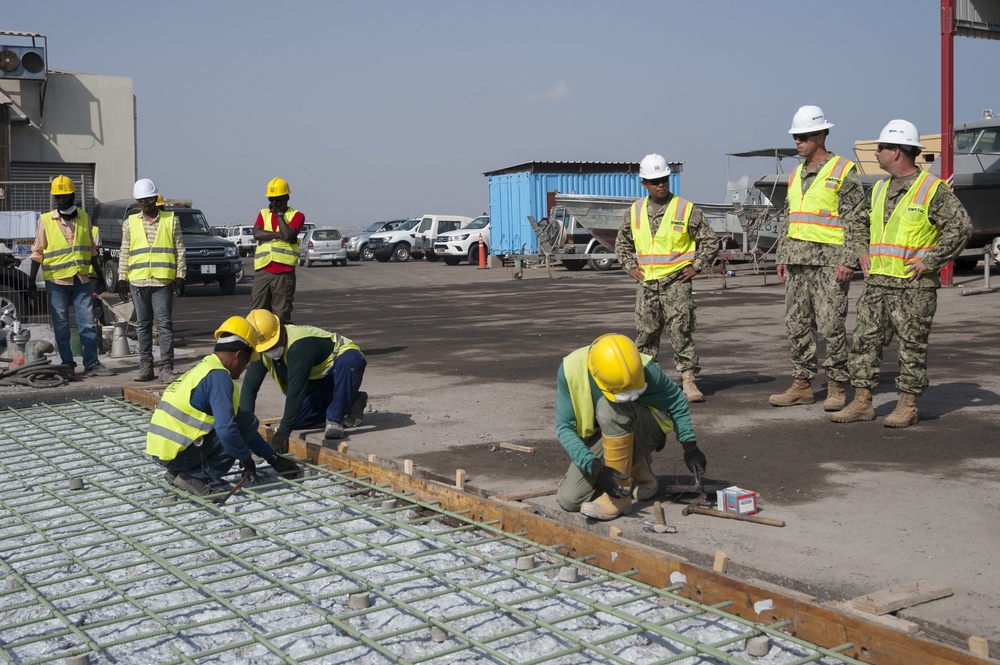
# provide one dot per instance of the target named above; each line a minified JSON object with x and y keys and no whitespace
{"x":276,"y":232}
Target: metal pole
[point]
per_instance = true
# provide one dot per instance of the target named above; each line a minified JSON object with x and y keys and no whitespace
{"x":947,"y":109}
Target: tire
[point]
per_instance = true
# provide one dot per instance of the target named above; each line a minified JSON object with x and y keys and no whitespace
{"x":401,"y":252}
{"x":602,"y":264}
{"x":474,"y":254}
{"x":354,"y":258}
{"x":309,"y":264}
{"x":228,"y":284}
{"x":110,"y":275}
{"x":432,"y":257}
{"x":574,"y":265}
{"x":451,"y":260}
{"x":343,"y":263}
{"x":382,"y":258}
{"x":416,"y":255}
{"x":10,"y":296}
{"x":965,"y":263}
{"x":366,"y":254}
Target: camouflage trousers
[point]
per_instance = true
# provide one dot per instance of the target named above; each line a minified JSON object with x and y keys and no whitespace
{"x":883,"y":311}
{"x":816,"y":301}
{"x":667,"y":308}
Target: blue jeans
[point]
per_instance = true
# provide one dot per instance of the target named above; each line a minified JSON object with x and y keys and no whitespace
{"x":332,"y":399}
{"x":158,"y":302}
{"x":81,"y":296}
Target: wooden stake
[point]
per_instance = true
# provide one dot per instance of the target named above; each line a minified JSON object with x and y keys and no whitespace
{"x":615,"y":532}
{"x":721,"y":564}
{"x":342,"y":448}
{"x":373,"y":459}
{"x":408,"y":467}
{"x":517,"y":448}
{"x":979,"y":645}
{"x":661,"y":525}
{"x":460,"y":479}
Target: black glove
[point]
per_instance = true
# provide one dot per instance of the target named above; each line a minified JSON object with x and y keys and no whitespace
{"x":249,"y":468}
{"x":609,"y":479}
{"x":122,"y":288}
{"x":179,"y":285}
{"x":280,"y":442}
{"x":32,"y":288}
{"x":694,"y":458}
{"x":285,"y":467}
{"x":99,"y":286}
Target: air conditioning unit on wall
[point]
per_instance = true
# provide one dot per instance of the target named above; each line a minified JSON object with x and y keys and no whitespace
{"x":22,"y":62}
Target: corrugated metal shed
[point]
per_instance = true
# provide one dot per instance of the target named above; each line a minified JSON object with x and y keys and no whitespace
{"x":530,"y":188}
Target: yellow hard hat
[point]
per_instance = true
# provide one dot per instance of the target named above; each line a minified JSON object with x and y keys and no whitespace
{"x":267,"y":326}
{"x":62,"y":185}
{"x":236,"y":328}
{"x":277,"y":187}
{"x":614,"y":362}
{"x":159,"y":201}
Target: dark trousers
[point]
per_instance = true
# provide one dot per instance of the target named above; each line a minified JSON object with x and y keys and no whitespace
{"x":332,"y":399}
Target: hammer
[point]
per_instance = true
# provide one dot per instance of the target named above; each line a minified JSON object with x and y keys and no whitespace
{"x":702,"y":510}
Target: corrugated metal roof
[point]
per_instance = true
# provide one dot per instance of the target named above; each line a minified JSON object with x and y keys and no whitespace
{"x":577,"y":167}
{"x":20,"y":34}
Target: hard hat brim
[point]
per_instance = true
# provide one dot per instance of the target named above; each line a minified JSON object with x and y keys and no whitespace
{"x":810,"y":130}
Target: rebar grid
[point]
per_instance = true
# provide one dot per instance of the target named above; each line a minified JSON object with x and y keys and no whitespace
{"x":123,"y":571}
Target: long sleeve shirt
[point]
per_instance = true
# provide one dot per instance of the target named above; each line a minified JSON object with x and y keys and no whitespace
{"x":852,"y":209}
{"x":214,"y":395}
{"x":706,"y":242}
{"x":69,"y":232}
{"x":661,"y":393}
{"x":152,"y":226}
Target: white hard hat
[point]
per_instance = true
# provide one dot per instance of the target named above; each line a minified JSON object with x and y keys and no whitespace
{"x":144,"y":189}
{"x":900,"y":132}
{"x":653,"y":167}
{"x":809,"y":119}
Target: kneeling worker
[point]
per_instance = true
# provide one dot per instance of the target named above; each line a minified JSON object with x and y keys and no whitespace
{"x":319,"y":373}
{"x":614,"y":407}
{"x":197,"y":432}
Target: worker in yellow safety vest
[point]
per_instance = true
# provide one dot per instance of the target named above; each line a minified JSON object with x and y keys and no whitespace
{"x":197,"y":431}
{"x":276,"y":232}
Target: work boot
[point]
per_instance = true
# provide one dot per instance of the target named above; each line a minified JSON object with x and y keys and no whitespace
{"x":801,"y":392}
{"x":617,"y":455}
{"x":98,"y":369}
{"x":334,"y":430}
{"x":836,"y":397}
{"x":905,"y":413}
{"x":167,"y":374}
{"x":647,"y":485}
{"x":193,"y":485}
{"x":145,"y":373}
{"x":357,"y":414}
{"x":690,"y":388}
{"x":860,"y":409}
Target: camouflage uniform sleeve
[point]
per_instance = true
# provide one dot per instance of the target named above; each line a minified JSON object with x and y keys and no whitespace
{"x":706,"y":242}
{"x":948,"y":213}
{"x":853,"y":210}
{"x":781,"y":251}
{"x":625,"y":243}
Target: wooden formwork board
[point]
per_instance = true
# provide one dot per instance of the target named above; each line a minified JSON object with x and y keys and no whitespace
{"x":826,"y":627}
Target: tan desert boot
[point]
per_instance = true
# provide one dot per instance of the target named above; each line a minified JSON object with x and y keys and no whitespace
{"x":905,"y":413}
{"x":690,"y":388}
{"x":836,"y":397}
{"x":801,"y":392}
{"x":860,"y":409}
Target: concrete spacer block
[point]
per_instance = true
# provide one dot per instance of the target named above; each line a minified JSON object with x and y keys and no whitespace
{"x":247,"y":532}
{"x":388,"y":504}
{"x":568,"y":574}
{"x":12,"y":583}
{"x":170,"y":498}
{"x":758,"y":646}
{"x":82,"y":659}
{"x":75,"y":483}
{"x":438,"y":634}
{"x":359,"y":601}
{"x":526,"y":562}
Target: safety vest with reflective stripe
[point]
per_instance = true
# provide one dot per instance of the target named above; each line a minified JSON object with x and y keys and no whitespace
{"x":60,"y":260}
{"x":176,"y":424}
{"x":279,"y":251}
{"x":158,"y":260}
{"x":909,"y":233}
{"x":581,"y":394}
{"x":672,"y":248}
{"x":295,"y":333}
{"x":815,"y":215}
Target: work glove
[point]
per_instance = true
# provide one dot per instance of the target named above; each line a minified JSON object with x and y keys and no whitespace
{"x":249,"y":468}
{"x":179,"y":285}
{"x":32,"y":288}
{"x":99,"y":286}
{"x":694,"y":458}
{"x":280,"y":442}
{"x":609,"y":479}
{"x":285,"y":467}
{"x":122,"y":288}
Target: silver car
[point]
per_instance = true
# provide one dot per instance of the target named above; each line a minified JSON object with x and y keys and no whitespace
{"x":357,"y":244}
{"x":322,"y":245}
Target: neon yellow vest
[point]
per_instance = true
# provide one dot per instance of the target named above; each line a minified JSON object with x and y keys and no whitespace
{"x":909,"y":234}
{"x":295,"y":333}
{"x":673,"y":248}
{"x":578,"y":381}
{"x":279,"y":251}
{"x":158,"y":260}
{"x":815,"y":215}
{"x":60,"y":261}
{"x":176,"y":424}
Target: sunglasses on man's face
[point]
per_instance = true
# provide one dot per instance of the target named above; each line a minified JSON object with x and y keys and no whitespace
{"x":802,"y":138}
{"x":885,"y":146}
{"x":658,"y":181}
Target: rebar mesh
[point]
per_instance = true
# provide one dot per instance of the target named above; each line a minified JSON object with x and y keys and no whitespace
{"x":335,"y":569}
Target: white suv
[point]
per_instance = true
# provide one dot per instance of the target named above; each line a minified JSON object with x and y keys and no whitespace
{"x":454,"y":246}
{"x":243,"y":237}
{"x":396,"y":244}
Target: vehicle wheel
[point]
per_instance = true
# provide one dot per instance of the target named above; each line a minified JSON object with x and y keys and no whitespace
{"x":343,"y":263}
{"x":382,"y":258}
{"x":401,"y":252}
{"x":309,"y":264}
{"x":474,"y":254}
{"x":228,"y":284}
{"x":353,"y":258}
{"x":574,"y":264}
{"x":416,"y":255}
{"x":452,"y":260}
{"x":602,"y":263}
{"x":432,"y":257}
{"x":111,"y":276}
{"x":965,"y":263}
{"x":9,"y":296}
{"x":366,"y":254}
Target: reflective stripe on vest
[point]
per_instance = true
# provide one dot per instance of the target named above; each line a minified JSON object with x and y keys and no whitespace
{"x":176,"y":424}
{"x":158,"y":260}
{"x":909,"y":234}
{"x":582,"y":395}
{"x":278,"y":251}
{"x":815,"y":215}
{"x":60,"y":260}
{"x":673,"y":248}
{"x":295,"y":333}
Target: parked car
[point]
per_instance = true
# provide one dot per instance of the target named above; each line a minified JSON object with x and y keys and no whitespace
{"x":242,"y":237}
{"x":454,"y":246}
{"x":426,"y":232}
{"x":322,"y":245}
{"x":395,"y":244}
{"x":357,"y":244}
{"x":306,"y":226}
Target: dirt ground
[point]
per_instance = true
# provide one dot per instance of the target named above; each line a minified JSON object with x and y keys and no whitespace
{"x":461,"y":360}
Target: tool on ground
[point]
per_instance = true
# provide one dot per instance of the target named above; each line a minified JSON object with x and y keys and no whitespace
{"x":233,"y":491}
{"x":704,"y":510}
{"x":658,"y":525}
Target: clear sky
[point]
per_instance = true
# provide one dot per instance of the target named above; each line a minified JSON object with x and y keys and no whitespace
{"x":378,"y":109}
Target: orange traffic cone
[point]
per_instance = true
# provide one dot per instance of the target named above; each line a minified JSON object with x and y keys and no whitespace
{"x":482,"y":252}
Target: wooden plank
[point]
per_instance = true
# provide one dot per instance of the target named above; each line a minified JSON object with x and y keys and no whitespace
{"x":900,"y":596}
{"x":517,"y":448}
{"x":528,"y":494}
{"x":979,"y":645}
{"x":887,"y":620}
{"x":782,"y":591}
{"x":721,"y":563}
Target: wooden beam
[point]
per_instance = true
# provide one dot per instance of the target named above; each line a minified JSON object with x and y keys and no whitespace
{"x":517,"y":448}
{"x":528,"y":494}
{"x":900,"y":596}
